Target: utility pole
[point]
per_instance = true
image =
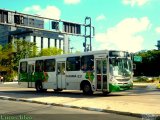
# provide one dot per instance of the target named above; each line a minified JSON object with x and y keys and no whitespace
{"x":88,"y":35}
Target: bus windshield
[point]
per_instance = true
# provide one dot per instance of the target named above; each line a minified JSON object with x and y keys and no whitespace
{"x":120,"y":67}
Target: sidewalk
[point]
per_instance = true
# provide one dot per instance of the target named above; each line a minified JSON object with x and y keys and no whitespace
{"x":147,"y":85}
{"x":107,"y":105}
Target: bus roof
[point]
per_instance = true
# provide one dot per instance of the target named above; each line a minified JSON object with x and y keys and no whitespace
{"x":69,"y":55}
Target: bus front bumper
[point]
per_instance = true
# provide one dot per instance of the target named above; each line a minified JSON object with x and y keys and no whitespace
{"x":119,"y":87}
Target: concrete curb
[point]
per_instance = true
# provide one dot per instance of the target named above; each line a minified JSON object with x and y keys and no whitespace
{"x":72,"y":106}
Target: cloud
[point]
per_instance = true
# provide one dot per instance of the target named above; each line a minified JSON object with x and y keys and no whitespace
{"x":100,"y":17}
{"x":32,"y":8}
{"x":157,"y":29}
{"x":71,"y":1}
{"x":49,"y":12}
{"x":135,"y":2}
{"x":125,"y":35}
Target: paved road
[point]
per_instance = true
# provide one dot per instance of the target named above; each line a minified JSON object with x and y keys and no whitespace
{"x":139,"y":100}
{"x":40,"y":112}
{"x":139,"y":95}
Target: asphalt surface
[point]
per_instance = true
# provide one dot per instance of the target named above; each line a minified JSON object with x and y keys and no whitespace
{"x":34,"y":111}
{"x":142,"y":101}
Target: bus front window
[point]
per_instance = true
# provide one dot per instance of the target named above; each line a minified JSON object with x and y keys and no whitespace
{"x":120,"y":67}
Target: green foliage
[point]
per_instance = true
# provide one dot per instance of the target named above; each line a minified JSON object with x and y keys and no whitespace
{"x":147,"y":79}
{"x":150,"y":65}
{"x":25,"y":49}
{"x":10,"y":76}
{"x":141,"y":79}
{"x":50,"y":51}
{"x":5,"y":53}
{"x":12,"y":53}
{"x":1,"y":48}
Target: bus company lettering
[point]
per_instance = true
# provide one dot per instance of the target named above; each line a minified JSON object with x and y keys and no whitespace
{"x":70,"y":75}
{"x":78,"y":76}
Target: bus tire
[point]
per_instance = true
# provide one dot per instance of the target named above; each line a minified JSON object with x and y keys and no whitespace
{"x":106,"y":92}
{"x":44,"y":90}
{"x":87,"y":90}
{"x":39,"y":86}
{"x":58,"y":90}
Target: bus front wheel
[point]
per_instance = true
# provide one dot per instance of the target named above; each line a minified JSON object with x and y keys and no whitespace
{"x":87,"y":90}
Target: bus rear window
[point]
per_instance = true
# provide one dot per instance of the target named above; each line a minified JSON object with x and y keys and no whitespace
{"x":39,"y":66}
{"x":23,"y":67}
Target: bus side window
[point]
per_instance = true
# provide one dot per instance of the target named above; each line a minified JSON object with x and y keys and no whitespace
{"x":87,"y":63}
{"x":49,"y":65}
{"x":73,"y":63}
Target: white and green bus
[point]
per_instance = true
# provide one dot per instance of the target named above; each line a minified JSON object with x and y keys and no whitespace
{"x":104,"y":70}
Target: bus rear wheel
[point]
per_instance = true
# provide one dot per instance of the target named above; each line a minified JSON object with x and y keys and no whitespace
{"x":58,"y":90}
{"x":39,"y":87}
{"x":87,"y":90}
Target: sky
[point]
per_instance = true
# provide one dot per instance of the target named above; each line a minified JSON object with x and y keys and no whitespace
{"x":131,"y":25}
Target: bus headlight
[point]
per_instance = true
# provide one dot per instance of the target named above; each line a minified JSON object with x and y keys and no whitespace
{"x":113,"y":80}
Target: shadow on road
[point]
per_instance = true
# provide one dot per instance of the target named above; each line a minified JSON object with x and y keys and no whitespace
{"x":73,"y":94}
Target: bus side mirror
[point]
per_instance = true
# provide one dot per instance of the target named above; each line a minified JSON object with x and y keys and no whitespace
{"x":134,"y":66}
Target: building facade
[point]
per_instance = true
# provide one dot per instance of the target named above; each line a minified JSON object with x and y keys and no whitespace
{"x":42,"y":38}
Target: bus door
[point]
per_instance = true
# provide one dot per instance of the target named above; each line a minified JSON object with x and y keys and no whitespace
{"x":30,"y":75}
{"x":61,"y":79}
{"x":101,"y":74}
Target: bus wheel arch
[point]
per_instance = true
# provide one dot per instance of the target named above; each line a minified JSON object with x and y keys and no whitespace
{"x":86,"y":87}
